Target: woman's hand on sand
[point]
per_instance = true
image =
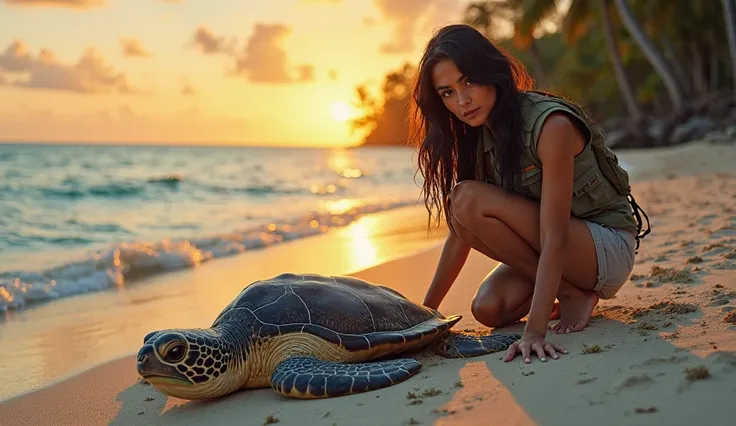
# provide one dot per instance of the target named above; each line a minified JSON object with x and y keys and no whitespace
{"x":533,"y":343}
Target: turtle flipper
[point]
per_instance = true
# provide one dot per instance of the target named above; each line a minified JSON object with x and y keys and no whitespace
{"x":459,"y":344}
{"x":309,"y":378}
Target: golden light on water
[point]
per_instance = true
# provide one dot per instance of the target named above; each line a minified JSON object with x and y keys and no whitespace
{"x":327,"y":189}
{"x":364,"y":247}
{"x":339,"y":160}
{"x":352,"y":173}
{"x":341,"y":206}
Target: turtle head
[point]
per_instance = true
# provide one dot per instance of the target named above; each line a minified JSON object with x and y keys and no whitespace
{"x":187,"y":363}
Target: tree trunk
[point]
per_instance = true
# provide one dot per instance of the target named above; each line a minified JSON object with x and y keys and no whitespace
{"x":652,"y":53}
{"x":728,"y":16}
{"x":699,"y":85}
{"x":714,"y":67}
{"x":618,"y":67}
{"x":677,"y":68}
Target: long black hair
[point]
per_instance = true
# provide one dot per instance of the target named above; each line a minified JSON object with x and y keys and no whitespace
{"x":447,"y":146}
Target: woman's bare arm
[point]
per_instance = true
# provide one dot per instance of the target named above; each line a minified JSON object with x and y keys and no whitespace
{"x":558,"y":143}
{"x":453,"y":257}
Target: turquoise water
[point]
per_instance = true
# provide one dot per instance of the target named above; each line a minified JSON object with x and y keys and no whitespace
{"x":79,"y":218}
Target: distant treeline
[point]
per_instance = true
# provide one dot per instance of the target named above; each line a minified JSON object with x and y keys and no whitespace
{"x":642,"y":68}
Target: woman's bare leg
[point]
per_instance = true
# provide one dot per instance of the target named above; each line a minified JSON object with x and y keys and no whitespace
{"x":505,"y":295}
{"x":506,"y":228}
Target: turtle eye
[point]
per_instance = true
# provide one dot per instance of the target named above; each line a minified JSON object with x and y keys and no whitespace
{"x":174,"y":353}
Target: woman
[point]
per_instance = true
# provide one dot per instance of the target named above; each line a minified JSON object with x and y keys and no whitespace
{"x":483,"y":140}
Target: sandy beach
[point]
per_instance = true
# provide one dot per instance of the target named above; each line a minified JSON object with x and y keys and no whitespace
{"x":662,"y":351}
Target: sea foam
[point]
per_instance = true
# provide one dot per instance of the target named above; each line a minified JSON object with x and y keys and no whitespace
{"x":128,"y":261}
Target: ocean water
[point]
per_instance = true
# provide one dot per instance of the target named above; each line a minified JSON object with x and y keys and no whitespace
{"x":78,"y":218}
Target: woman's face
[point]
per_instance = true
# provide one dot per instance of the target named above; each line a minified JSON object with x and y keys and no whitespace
{"x":470,"y":102}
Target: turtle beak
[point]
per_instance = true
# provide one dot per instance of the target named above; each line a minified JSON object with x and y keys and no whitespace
{"x":151,"y":369}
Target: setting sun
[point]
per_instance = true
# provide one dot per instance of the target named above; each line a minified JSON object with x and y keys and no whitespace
{"x":341,"y":111}
{"x":241,"y":73}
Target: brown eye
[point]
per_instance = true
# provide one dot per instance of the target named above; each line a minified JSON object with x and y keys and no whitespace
{"x":175,"y":353}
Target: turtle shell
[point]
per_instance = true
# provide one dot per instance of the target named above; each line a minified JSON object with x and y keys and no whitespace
{"x":348,"y":311}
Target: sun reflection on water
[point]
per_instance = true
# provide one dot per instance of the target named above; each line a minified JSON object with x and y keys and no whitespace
{"x":342,"y":162}
{"x":341,"y":206}
{"x":364,"y":247}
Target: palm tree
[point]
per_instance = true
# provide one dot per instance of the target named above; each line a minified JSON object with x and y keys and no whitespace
{"x":485,"y":16}
{"x":652,"y":53}
{"x":618,"y":68}
{"x":728,"y":15}
{"x":527,"y":16}
{"x":576,"y":24}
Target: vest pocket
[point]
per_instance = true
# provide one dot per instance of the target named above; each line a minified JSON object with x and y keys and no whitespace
{"x":589,"y":193}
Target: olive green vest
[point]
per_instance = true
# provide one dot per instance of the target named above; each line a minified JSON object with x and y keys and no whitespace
{"x":595,"y":197}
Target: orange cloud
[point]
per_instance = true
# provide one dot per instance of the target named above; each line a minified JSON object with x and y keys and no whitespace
{"x":208,"y":43}
{"x":261,"y":60}
{"x":77,"y":4}
{"x":407,"y":14}
{"x":132,"y":48}
{"x":264,"y":61}
{"x":89,"y":75}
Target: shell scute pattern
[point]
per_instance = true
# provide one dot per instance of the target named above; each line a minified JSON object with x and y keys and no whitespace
{"x":305,"y":304}
{"x":269,"y":330}
{"x":355,"y":342}
{"x":322,"y":332}
{"x":310,"y":299}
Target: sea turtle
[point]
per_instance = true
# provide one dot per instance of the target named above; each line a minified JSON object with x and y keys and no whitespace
{"x":306,"y":336}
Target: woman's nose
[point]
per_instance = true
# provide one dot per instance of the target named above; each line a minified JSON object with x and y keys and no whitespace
{"x":463,"y":99}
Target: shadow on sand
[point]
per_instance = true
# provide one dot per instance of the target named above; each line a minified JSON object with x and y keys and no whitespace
{"x":617,"y":371}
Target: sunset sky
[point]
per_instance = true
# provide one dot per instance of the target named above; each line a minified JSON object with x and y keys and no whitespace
{"x":277,"y":72}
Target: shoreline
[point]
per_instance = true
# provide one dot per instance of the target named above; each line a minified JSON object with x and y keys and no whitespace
{"x":106,"y":325}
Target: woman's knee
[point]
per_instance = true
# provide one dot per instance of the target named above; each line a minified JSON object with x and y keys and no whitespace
{"x":487,"y":311}
{"x":464,"y":200}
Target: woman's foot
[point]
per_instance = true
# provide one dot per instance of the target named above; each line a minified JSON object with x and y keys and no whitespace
{"x":555,"y":315}
{"x":575,"y":311}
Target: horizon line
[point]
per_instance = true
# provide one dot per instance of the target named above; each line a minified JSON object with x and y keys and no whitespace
{"x":172,"y":144}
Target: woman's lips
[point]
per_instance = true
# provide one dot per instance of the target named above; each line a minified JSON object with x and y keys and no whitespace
{"x":471,"y":113}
